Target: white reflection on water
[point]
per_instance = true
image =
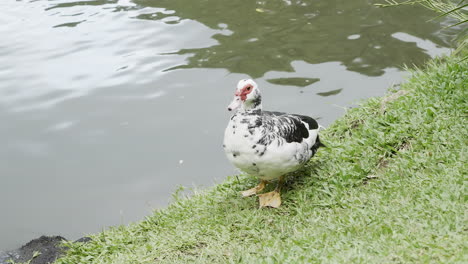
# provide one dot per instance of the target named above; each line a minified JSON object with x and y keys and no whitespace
{"x":430,"y":47}
{"x":61,"y":126}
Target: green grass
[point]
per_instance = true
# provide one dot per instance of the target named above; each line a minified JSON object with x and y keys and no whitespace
{"x":388,"y":189}
{"x":453,"y":8}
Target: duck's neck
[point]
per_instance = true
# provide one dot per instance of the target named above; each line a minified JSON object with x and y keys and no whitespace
{"x":253,"y":105}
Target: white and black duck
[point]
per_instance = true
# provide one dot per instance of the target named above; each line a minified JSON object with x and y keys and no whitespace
{"x":266,"y":144}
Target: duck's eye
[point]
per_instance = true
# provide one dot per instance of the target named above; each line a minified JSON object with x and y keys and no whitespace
{"x":248,"y":88}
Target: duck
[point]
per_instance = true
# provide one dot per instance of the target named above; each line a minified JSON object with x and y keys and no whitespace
{"x":267,"y":145}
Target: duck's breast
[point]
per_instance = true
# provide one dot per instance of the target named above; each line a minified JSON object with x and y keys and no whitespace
{"x":240,"y":139}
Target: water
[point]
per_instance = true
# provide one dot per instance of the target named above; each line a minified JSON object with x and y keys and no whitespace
{"x":107,"y":106}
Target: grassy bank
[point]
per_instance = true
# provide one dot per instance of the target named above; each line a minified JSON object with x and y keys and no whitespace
{"x":388,"y":189}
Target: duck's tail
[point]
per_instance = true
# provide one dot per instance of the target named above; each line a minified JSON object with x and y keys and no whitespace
{"x":317,"y":145}
{"x":320,"y":144}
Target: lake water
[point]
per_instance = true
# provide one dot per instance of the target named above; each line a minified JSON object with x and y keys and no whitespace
{"x":106,"y":107}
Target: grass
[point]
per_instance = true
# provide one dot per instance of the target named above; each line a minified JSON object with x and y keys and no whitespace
{"x":388,"y":189}
{"x":453,"y":8}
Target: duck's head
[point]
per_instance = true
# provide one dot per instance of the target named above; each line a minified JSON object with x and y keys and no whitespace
{"x":247,"y":96}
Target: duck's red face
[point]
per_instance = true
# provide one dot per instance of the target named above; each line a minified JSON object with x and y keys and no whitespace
{"x":243,"y":93}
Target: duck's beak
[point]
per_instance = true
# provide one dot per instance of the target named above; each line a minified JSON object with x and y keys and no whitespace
{"x":236,"y":102}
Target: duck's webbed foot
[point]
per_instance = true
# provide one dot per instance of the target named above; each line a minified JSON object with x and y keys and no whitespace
{"x":272,"y":199}
{"x":255,"y":189}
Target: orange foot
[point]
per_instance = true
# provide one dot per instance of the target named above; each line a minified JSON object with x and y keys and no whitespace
{"x":255,"y":189}
{"x":270,"y":199}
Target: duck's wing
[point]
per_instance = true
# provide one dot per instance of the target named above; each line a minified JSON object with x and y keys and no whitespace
{"x":290,"y":127}
{"x":312,"y":123}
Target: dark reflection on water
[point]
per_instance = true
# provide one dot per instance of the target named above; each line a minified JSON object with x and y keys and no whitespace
{"x":332,"y":92}
{"x":71,"y":24}
{"x":269,"y":35}
{"x":81,"y":3}
{"x":300,"y":82}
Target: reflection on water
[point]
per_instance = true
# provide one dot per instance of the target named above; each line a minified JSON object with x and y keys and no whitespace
{"x":329,"y":93}
{"x":353,"y":32}
{"x":100,"y":101}
{"x":301,"y":82}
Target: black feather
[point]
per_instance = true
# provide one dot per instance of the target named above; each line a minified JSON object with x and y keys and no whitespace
{"x":309,"y":120}
{"x":317,"y":145}
{"x":290,"y":128}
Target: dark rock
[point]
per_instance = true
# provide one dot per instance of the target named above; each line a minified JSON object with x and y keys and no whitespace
{"x":83,"y":240}
{"x":5,"y":256}
{"x":48,"y":247}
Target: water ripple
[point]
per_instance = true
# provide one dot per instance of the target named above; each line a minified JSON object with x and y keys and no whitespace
{"x":76,"y":47}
